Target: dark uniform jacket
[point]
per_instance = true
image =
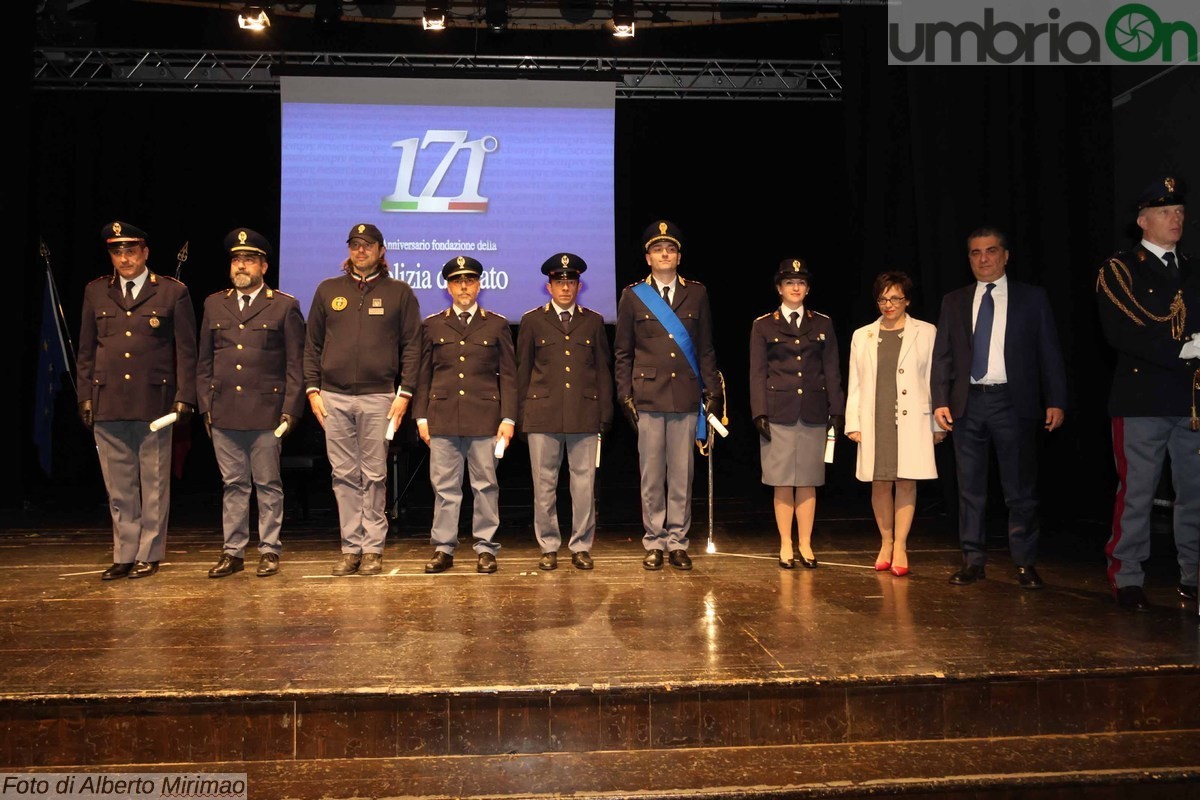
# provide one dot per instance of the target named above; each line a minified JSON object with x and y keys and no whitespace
{"x":650,"y":366}
{"x":1136,"y":293}
{"x":795,"y":374}
{"x":363,"y":338}
{"x":468,"y":375}
{"x":137,"y":359}
{"x":251,"y":366}
{"x":1033,"y":361}
{"x":564,"y":377}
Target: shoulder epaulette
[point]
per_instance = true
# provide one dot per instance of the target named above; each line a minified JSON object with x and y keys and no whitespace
{"x":819,"y":314}
{"x":110,"y":278}
{"x":483,"y":312}
{"x":445,"y":313}
{"x":768,"y":314}
{"x":155,"y":277}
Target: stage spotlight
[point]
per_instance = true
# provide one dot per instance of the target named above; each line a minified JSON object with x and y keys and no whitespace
{"x":622,"y":19}
{"x":434,"y":17}
{"x":253,"y":18}
{"x":496,"y":15}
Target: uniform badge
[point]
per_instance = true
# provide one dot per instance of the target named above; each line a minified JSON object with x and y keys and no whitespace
{"x":376,"y":302}
{"x":662,"y":228}
{"x":1169,"y":183}
{"x":566,"y":260}
{"x":361,"y":227}
{"x":339,"y":304}
{"x":241,"y":237}
{"x":116,"y":229}
{"x":154,"y":322}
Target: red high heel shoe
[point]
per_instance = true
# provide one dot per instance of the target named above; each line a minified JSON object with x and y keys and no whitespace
{"x":882,"y":566}
{"x":899,"y":572}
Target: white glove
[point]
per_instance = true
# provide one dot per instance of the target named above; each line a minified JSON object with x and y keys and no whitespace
{"x":1191,"y":349}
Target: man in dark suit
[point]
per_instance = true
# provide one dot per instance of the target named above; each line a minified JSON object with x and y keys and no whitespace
{"x":465,"y":406}
{"x":137,"y":362}
{"x":1144,"y":295}
{"x":565,"y":384}
{"x":250,"y":383}
{"x":996,"y":357}
{"x":661,"y":394}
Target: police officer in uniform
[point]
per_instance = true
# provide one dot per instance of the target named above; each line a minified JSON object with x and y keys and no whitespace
{"x":465,"y":404}
{"x":1144,"y":297}
{"x":661,"y":395}
{"x":361,"y":359}
{"x":250,"y":381}
{"x":565,"y":384}
{"x":137,"y":362}
{"x":795,"y":397}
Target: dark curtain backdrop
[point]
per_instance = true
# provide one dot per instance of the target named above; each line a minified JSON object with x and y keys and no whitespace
{"x":894,"y":177}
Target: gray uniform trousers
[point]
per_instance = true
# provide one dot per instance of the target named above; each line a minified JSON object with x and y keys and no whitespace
{"x":665,"y":441}
{"x":137,"y":474}
{"x":245,"y":457}
{"x":545,"y":459}
{"x":1140,"y":444}
{"x":446,"y":457}
{"x":357,"y":446}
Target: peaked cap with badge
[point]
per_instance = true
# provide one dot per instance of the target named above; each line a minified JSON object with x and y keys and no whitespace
{"x":563,"y":266}
{"x":1165,"y":191}
{"x":662,"y":231}
{"x":367,"y":231}
{"x":117,"y":233}
{"x":792,"y":268}
{"x":244,"y":240}
{"x":461,"y":265}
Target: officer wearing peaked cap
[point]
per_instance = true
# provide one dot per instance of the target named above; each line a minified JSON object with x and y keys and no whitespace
{"x":361,"y":358}
{"x":1145,"y":295}
{"x":137,"y":362}
{"x":795,"y":396}
{"x":250,"y":381}
{"x":663,"y":324}
{"x":564,"y":380}
{"x":465,"y":405}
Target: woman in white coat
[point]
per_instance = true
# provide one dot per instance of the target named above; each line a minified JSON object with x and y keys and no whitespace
{"x":890,"y":416}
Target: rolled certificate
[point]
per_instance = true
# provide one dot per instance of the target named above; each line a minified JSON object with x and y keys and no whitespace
{"x":717,"y":426}
{"x":281,"y":430}
{"x":391,"y":429}
{"x":164,"y":421}
{"x":500,"y":447}
{"x":830,"y":438}
{"x":599,"y":441}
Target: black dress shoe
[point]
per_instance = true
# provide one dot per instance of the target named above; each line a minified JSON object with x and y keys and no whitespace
{"x":348,"y":565}
{"x":372,"y":564}
{"x":1028,"y":578}
{"x":226,"y":565}
{"x":486,"y":563}
{"x":1186,"y":592}
{"x":440,"y":562}
{"x":789,"y":564}
{"x":582,"y":560}
{"x":143,"y":569}
{"x":653,"y":559}
{"x":268,"y":565}
{"x":808,"y":563}
{"x":548,"y":561}
{"x":680,"y":559}
{"x":116,"y":571}
{"x":968,"y":574}
{"x":1132,"y":598}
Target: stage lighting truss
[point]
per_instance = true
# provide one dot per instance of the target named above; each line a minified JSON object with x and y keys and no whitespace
{"x":623,"y":19}
{"x":434,"y":16}
{"x":253,"y":18}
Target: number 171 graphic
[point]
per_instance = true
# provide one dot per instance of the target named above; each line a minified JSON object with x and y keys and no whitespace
{"x":468,"y":200}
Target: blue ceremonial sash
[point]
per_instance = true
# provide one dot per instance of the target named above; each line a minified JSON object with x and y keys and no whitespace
{"x":666,"y":316}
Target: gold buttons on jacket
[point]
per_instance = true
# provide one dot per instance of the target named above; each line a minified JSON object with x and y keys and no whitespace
{"x":799,"y":391}
{"x":239,"y":366}
{"x":461,"y":392}
{"x":128,"y":376}
{"x":461,"y":375}
{"x":239,"y":347}
{"x":460,"y":341}
{"x":672,"y":374}
{"x":799,"y":374}
{"x":567,"y":352}
{"x":127,"y":355}
{"x":129,"y":333}
{"x":901,"y":370}
{"x":462,"y":358}
{"x":129,"y":313}
{"x":241,"y":327}
{"x":238,"y":388}
{"x":568,"y":386}
{"x":568,"y":369}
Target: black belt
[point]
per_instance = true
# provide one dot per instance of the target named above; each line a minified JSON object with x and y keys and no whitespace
{"x":989,"y":387}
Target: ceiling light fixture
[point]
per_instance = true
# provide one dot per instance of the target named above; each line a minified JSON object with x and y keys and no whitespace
{"x":253,"y":18}
{"x":623,"y":19}
{"x":434,"y":17}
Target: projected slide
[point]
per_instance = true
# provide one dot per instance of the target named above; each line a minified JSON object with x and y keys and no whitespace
{"x":506,"y":171}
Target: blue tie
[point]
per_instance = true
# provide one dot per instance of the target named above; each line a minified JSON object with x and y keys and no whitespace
{"x":983,"y":334}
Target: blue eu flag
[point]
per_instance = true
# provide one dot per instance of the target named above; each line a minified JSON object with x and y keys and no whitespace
{"x":52,"y":365}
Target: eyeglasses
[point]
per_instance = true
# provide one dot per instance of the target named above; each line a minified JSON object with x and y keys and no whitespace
{"x":890,"y":301}
{"x":360,"y":244}
{"x":245,"y":258}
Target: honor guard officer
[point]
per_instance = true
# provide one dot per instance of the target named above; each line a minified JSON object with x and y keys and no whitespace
{"x":666,"y":371}
{"x":250,"y":383}
{"x":1144,"y":296}
{"x":465,"y":407}
{"x":360,"y":363}
{"x":137,"y":362}
{"x":564,"y":380}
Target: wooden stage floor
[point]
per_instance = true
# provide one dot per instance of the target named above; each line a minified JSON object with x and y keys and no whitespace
{"x":612,"y":661}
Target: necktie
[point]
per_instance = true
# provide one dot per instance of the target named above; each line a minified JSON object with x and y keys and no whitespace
{"x":1170,"y":259}
{"x":245,"y":302}
{"x":982,"y":342}
{"x":795,"y":317}
{"x":129,"y":289}
{"x":667,"y":294}
{"x":465,"y":317}
{"x":565,"y":316}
